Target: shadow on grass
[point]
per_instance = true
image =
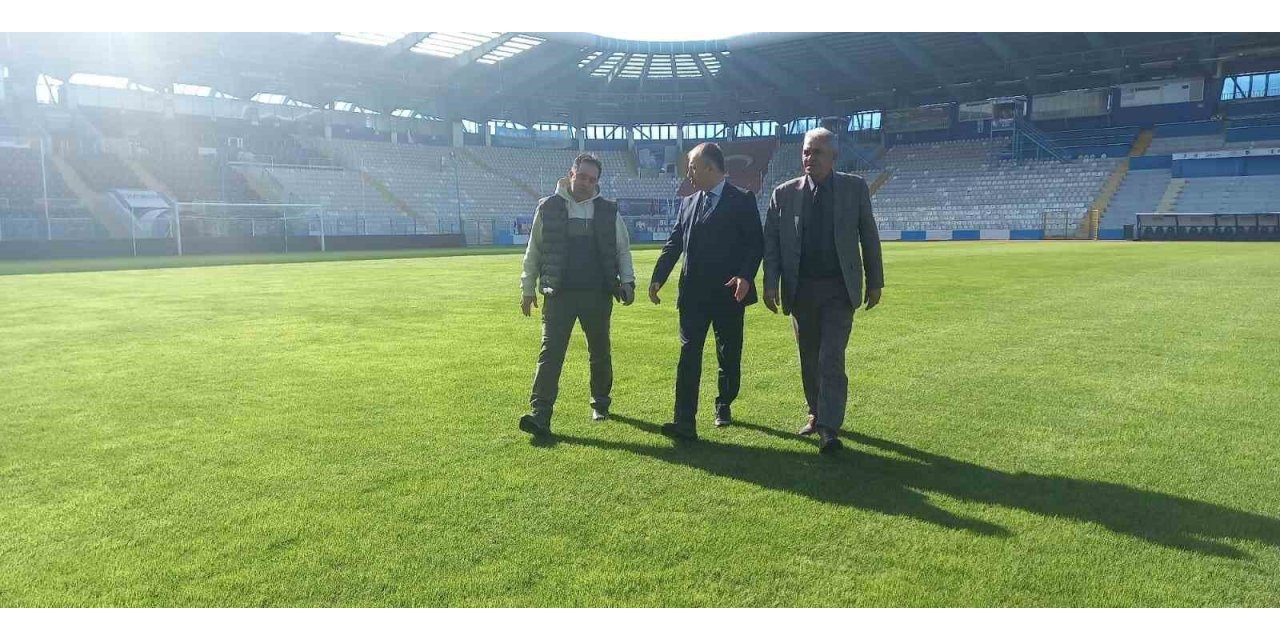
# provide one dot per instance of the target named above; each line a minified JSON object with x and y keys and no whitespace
{"x":543,"y":442}
{"x":891,"y":478}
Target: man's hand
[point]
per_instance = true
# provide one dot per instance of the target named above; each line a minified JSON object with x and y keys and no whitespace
{"x":741,"y":287}
{"x":771,"y":299}
{"x":626,"y":293}
{"x":527,"y":304}
{"x":872,"y":298}
{"x":653,"y":292}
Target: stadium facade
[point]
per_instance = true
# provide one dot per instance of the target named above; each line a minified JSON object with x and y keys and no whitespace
{"x":118,"y":144}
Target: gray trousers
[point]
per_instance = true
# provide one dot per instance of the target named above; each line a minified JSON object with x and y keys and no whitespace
{"x":822,"y":317}
{"x":591,"y":308}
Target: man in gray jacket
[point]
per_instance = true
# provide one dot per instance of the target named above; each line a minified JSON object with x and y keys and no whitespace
{"x":579,"y":258}
{"x":812,"y":232}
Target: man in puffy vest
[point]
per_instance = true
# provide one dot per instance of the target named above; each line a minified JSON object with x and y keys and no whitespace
{"x":579,"y":258}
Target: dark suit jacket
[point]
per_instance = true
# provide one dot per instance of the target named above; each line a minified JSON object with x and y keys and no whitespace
{"x":854,"y":227}
{"x":728,"y":243}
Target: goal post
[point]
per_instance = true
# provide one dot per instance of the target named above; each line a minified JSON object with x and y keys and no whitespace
{"x":247,"y":220}
{"x":264,"y":224}
{"x":1062,"y":223}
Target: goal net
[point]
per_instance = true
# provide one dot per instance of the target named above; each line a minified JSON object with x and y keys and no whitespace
{"x":284,"y":221}
{"x":1066,"y":224}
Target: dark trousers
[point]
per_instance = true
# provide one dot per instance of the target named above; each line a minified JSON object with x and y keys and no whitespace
{"x":822,"y":317}
{"x":591,"y":308}
{"x":726,"y":320}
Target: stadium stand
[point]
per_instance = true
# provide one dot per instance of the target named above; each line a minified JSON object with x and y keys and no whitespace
{"x":539,"y":169}
{"x":1161,"y":146}
{"x":1233,"y":139}
{"x":949,"y":185}
{"x":658,"y":188}
{"x":193,"y":177}
{"x":959,"y":185}
{"x":22,"y":206}
{"x":440,"y":183}
{"x":1188,"y":128}
{"x":1231,"y":194}
{"x":1111,"y":142}
{"x":188,"y":155}
{"x":21,"y":180}
{"x":493,"y":183}
{"x":535,"y":170}
{"x":337,"y":189}
{"x":269,"y":144}
{"x":1139,"y":193}
{"x":104,"y":170}
{"x":783,"y":165}
{"x":421,"y":176}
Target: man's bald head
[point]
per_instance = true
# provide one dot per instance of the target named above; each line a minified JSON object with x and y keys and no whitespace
{"x":706,"y":166}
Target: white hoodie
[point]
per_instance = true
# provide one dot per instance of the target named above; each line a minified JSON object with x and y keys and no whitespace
{"x":584,"y":210}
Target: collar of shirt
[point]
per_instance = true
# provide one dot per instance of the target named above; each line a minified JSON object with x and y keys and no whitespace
{"x":717,"y":190}
{"x":813,"y":186}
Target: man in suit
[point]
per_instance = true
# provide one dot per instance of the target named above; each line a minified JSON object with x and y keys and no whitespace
{"x":813,"y":229}
{"x":719,"y":235}
{"x":579,"y":254}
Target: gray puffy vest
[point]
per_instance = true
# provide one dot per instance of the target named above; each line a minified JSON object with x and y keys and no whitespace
{"x":570,"y":262}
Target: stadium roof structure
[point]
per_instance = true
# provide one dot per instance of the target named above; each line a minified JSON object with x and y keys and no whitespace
{"x":580,"y":78}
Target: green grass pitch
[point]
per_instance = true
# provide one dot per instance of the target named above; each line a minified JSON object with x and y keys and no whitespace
{"x":1031,"y":424}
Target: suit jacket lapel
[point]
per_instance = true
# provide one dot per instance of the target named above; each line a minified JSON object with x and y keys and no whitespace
{"x":797,"y":210}
{"x":691,"y":217}
{"x":846,"y":220}
{"x":840,"y":212}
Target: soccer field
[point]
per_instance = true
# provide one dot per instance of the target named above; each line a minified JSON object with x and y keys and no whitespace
{"x":1031,"y":424}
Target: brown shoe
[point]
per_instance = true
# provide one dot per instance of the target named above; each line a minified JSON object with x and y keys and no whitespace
{"x":810,"y":427}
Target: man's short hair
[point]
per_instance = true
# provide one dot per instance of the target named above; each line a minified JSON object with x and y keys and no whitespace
{"x":589,"y":159}
{"x":826,"y":135}
{"x":712,"y":153}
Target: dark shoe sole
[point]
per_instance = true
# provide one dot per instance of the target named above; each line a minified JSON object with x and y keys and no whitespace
{"x":724,"y":417}
{"x":831,"y":446}
{"x":671,"y":431}
{"x":532,"y":428}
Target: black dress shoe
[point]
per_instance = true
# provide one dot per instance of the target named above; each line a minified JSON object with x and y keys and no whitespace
{"x":599,"y":415}
{"x":829,"y":443}
{"x":532,"y":427}
{"x":810,"y":427}
{"x":724,"y":417}
{"x":679,"y":431}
